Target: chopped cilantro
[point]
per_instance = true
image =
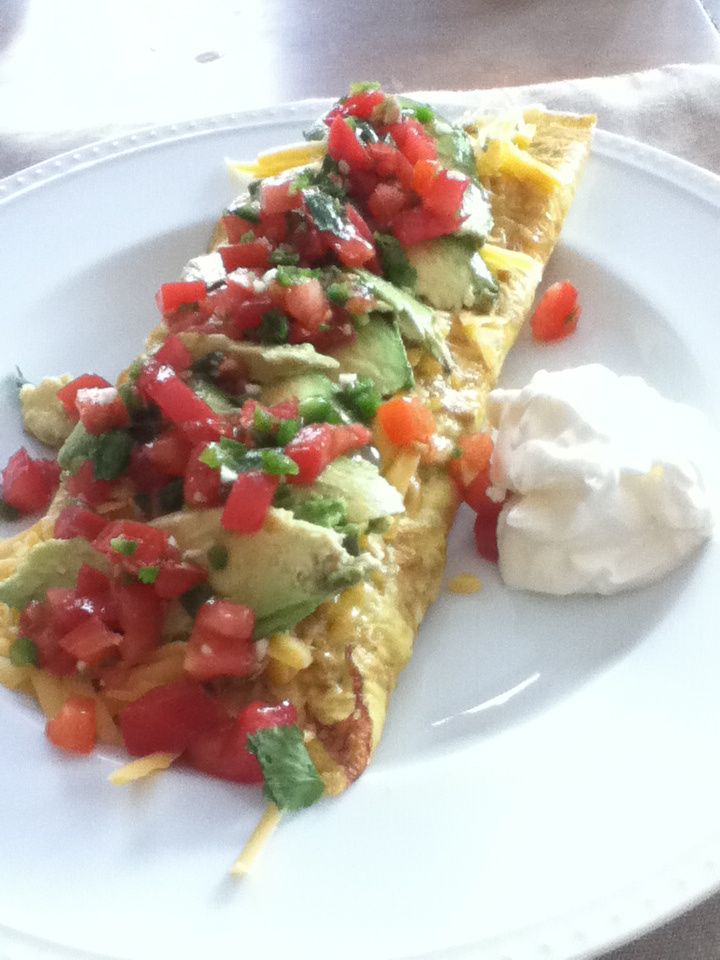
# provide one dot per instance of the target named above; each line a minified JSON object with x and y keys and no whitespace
{"x":284,"y":256}
{"x":326,"y":212}
{"x":218,"y":556}
{"x":276,"y":462}
{"x":396,"y":266}
{"x":124,"y":545}
{"x":286,"y":430}
{"x":274,"y":327}
{"x":248,"y":211}
{"x":233,"y":458}
{"x":291,"y":780}
{"x":148,"y":574}
{"x":247,"y":237}
{"x":23,"y":652}
{"x":290,"y":276}
{"x":301,"y":181}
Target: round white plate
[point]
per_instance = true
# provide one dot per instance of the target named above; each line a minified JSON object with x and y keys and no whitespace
{"x":548,"y":783}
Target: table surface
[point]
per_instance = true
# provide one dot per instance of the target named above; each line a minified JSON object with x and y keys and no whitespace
{"x":72,"y":71}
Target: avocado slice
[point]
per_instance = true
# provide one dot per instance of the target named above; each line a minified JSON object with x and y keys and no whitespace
{"x":451,"y":275}
{"x":283,"y":572}
{"x":303,"y":386}
{"x":217,"y":399}
{"x":378,"y":353}
{"x":53,"y":563}
{"x":367,"y":494}
{"x":263,"y":364}
{"x":416,"y":321}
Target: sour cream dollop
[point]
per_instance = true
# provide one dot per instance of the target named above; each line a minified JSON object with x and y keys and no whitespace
{"x":605,"y":489}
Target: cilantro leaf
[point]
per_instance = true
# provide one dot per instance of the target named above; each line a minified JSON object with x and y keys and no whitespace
{"x":284,"y":256}
{"x":124,"y":545}
{"x":289,"y":276}
{"x":148,"y":574}
{"x":395,"y":264}
{"x":326,"y":212}
{"x":233,"y":458}
{"x":291,"y":780}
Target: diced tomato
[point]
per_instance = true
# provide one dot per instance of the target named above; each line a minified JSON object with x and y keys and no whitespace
{"x":307,"y":303}
{"x":173,"y":353}
{"x":254,"y":255}
{"x":317,"y":444}
{"x":386,"y":201}
{"x":137,"y":545}
{"x":406,"y":420}
{"x":141,"y":614}
{"x":360,"y":105}
{"x":202,"y":486}
{"x":84,"y":485}
{"x":274,"y":227}
{"x":390,"y":164}
{"x":101,"y":409}
{"x":222,"y":752}
{"x":358,"y":222}
{"x":36,"y":623}
{"x":176,"y":578}
{"x":74,"y":728}
{"x":168,"y":718}
{"x":175,"y":398}
{"x":78,"y":521}
{"x":236,"y":227}
{"x":485,"y":531}
{"x":347,"y":437}
{"x":340,"y":333}
{"x":90,"y":642}
{"x":225,"y":301}
{"x":66,"y":608}
{"x":66,"y":395}
{"x":476,"y":449}
{"x":557,"y":314}
{"x":444,"y":195}
{"x":475,"y":495}
{"x":424,"y":173}
{"x":276,"y":196}
{"x":91,"y":582}
{"x":361,"y":183}
{"x":28,"y":484}
{"x":170,"y":452}
{"x":170,"y":296}
{"x":144,"y":473}
{"x":344,"y":145}
{"x":417,"y":225}
{"x":285,"y":410}
{"x":207,"y":430}
{"x":248,"y":316}
{"x":221,"y":643}
{"x":352,"y":251}
{"x":414,"y":142}
{"x":250,"y":499}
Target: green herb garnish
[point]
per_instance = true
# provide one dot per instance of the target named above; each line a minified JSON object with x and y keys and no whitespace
{"x":233,"y":458}
{"x":124,"y":545}
{"x":318,"y":410}
{"x":326,"y":212}
{"x":291,"y":780}
{"x":395,"y":264}
{"x":274,"y":327}
{"x":361,"y":399}
{"x":338,"y":293}
{"x":284,"y":255}
{"x":287,"y":429}
{"x":148,"y":574}
{"x":290,"y":276}
{"x":23,"y":652}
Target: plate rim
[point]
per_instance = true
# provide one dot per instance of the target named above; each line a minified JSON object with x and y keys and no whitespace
{"x":607,"y":922}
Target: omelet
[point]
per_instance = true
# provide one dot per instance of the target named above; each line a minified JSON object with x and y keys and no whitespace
{"x":357,"y":613}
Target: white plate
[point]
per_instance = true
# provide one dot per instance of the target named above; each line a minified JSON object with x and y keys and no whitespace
{"x":548,"y":783}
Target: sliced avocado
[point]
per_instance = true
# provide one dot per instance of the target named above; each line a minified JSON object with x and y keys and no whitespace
{"x":262,"y":363}
{"x":451,"y":274}
{"x":454,"y":146}
{"x":378,"y":353}
{"x":416,"y":321}
{"x":283,"y":572}
{"x":53,"y":563}
{"x":303,"y":386}
{"x":367,"y":495}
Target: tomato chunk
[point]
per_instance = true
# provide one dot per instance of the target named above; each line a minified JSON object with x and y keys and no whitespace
{"x":222,"y":752}
{"x":176,"y":400}
{"x":168,"y":718}
{"x":28,"y":484}
{"x":221,"y":643}
{"x":202,"y":486}
{"x":90,"y":642}
{"x":250,"y":499}
{"x":141,"y":614}
{"x":84,"y":486}
{"x":475,"y":449}
{"x":77,"y":521}
{"x":557,"y":314}
{"x":173,"y":353}
{"x":417,"y":225}
{"x":485,"y":531}
{"x":443,"y":197}
{"x":66,"y":395}
{"x":101,"y":409}
{"x":74,"y":728}
{"x":277,"y":197}
{"x":176,"y":578}
{"x":133,"y":545}
{"x":254,"y":255}
{"x":406,"y":420}
{"x":170,"y":296}
{"x":307,"y":303}
{"x":343,"y":144}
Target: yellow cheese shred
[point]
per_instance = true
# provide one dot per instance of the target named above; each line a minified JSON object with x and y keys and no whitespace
{"x":277,"y":161}
{"x":503,"y":156}
{"x":140,"y":768}
{"x":261,"y":834}
{"x":465,"y":583}
{"x":514,"y":261}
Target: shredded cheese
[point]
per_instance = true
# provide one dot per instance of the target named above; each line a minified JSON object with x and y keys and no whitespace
{"x":465,"y":583}
{"x":259,"y":837}
{"x":140,"y":768}
{"x":514,"y":261}
{"x":277,"y":161}
{"x":503,"y":156}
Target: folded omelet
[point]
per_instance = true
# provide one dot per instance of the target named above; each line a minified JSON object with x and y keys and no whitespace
{"x":339,"y":664}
